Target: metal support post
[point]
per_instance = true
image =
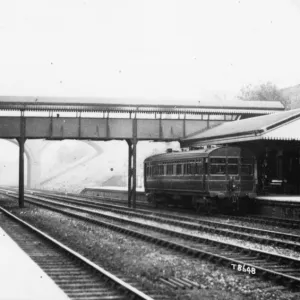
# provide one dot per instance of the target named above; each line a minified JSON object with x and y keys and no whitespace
{"x":184,"y":126}
{"x":21,"y":141}
{"x":129,"y":171}
{"x":134,"y":174}
{"x":132,"y":166}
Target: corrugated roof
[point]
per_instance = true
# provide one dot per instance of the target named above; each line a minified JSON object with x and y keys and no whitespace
{"x":257,"y":127}
{"x":286,"y":132}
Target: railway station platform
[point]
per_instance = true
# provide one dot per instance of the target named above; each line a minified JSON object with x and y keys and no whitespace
{"x":21,"y":278}
{"x":281,"y":206}
{"x":280,"y":198}
{"x":113,"y":192}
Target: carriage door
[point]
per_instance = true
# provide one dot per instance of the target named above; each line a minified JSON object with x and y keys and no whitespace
{"x":217,"y":174}
{"x":233,"y":168}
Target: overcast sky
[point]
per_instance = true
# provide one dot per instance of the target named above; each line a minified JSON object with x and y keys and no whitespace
{"x":150,"y":49}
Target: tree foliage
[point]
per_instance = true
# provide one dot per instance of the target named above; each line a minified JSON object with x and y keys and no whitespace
{"x":263,"y":92}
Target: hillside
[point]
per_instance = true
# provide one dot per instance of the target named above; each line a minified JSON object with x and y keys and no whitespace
{"x":110,"y":168}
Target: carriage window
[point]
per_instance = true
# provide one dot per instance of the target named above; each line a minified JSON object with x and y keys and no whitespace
{"x":246,"y":170}
{"x":193,"y":165}
{"x":218,"y":165}
{"x":184,"y":169}
{"x":218,"y":169}
{"x":233,"y":160}
{"x":233,"y":169}
{"x":246,"y":166}
{"x":199,"y":167}
{"x":218,"y":160}
{"x":187,"y":169}
{"x":160,"y":170}
{"x":178,"y":169}
{"x":169,"y":169}
{"x":247,"y":161}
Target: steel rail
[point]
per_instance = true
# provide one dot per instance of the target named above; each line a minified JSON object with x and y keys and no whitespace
{"x":266,"y":264}
{"x":129,"y":290}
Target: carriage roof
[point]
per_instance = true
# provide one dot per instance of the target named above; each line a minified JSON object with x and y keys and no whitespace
{"x":194,"y":154}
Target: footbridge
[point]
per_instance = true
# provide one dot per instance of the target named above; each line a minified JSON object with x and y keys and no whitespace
{"x":94,"y":119}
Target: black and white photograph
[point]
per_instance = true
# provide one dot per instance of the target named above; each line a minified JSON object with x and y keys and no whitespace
{"x":149,"y":150}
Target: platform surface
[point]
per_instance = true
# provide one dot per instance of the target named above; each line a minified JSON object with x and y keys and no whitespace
{"x":282,"y":198}
{"x":21,"y":278}
{"x":112,"y":188}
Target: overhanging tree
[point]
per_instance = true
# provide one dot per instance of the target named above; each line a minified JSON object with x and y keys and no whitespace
{"x":263,"y":92}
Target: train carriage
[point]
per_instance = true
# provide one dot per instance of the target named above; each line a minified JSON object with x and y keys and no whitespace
{"x":219,"y":178}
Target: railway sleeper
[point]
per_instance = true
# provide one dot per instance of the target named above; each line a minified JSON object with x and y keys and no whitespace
{"x":54,"y":263}
{"x":54,"y":273}
{"x":281,"y":270}
{"x":271,"y":264}
{"x":71,"y":285}
{"x":92,"y":293}
{"x":74,"y":280}
{"x":103,"y":298}
{"x":61,"y":269}
{"x":83,"y":288}
{"x":275,"y":288}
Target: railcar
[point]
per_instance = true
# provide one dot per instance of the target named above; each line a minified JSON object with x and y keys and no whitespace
{"x":220,"y":178}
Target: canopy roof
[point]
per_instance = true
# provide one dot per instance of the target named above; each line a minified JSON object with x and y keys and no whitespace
{"x":284,"y":126}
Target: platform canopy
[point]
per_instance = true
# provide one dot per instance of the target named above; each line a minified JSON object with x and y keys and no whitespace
{"x":93,"y":104}
{"x":281,"y":126}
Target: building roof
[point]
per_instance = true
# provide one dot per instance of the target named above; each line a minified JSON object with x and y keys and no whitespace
{"x":137,"y":105}
{"x":278,"y":126}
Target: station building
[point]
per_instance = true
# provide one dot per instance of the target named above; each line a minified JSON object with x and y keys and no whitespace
{"x":275,"y":141}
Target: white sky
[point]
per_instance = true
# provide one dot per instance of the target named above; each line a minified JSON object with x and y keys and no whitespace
{"x":151,"y":49}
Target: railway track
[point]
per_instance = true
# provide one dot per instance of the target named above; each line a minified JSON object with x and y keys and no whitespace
{"x":284,"y":270}
{"x":256,"y":219}
{"x":265,"y":237}
{"x":112,"y":199}
{"x":78,"y":277}
{"x":264,"y":220}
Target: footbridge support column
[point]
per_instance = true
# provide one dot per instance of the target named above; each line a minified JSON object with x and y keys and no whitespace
{"x":21,"y":141}
{"x":132,"y":143}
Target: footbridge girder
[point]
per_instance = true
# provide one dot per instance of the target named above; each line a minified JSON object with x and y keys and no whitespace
{"x":53,"y":128}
